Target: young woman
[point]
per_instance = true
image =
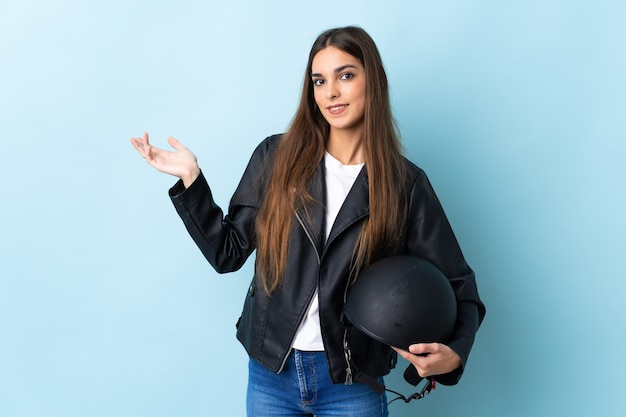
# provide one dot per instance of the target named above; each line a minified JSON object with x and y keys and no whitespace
{"x":319,"y":204}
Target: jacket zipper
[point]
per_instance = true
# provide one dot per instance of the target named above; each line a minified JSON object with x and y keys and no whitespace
{"x":347,"y":353}
{"x":346,"y":350}
{"x":319,"y":262}
{"x":308,"y":235}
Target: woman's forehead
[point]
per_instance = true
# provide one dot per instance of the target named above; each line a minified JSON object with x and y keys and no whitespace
{"x":332,"y":58}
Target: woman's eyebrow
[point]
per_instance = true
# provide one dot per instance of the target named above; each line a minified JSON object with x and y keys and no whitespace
{"x":341,"y":68}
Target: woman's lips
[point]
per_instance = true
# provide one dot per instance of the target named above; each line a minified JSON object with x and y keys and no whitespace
{"x":337,"y":109}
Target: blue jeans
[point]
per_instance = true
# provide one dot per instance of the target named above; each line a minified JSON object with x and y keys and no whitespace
{"x":303,"y":388}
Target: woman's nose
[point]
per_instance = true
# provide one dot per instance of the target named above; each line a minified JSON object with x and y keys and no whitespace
{"x":332,"y":91}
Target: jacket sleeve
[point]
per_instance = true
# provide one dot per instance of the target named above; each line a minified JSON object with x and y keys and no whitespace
{"x":430,"y":236}
{"x":226,"y":241}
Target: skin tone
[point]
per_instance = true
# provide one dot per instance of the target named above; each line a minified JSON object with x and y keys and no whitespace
{"x":339,"y":82}
{"x":431,"y":358}
{"x":339,"y":90}
{"x":181,"y":163}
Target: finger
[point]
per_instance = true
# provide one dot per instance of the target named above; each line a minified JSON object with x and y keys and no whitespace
{"x":145,"y":148}
{"x":174,"y":143}
{"x":144,"y":139}
{"x":138,"y":145}
{"x":147,"y":151}
{"x":416,"y":361}
{"x":406,"y":355}
{"x":421,"y":348}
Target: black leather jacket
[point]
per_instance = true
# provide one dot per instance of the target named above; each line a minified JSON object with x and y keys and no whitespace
{"x":268,"y":323}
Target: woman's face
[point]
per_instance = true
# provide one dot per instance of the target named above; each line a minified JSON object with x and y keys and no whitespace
{"x":339,"y":89}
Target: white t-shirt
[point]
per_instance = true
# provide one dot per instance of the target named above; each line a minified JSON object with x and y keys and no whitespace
{"x":339,"y":180}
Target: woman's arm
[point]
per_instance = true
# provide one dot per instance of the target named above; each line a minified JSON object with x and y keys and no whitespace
{"x":226,"y":240}
{"x":430,"y":236}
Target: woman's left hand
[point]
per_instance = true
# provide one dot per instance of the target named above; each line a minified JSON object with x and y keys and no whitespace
{"x":431,"y":358}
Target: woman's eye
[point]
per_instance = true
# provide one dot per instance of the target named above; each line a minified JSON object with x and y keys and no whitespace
{"x":318,"y":82}
{"x":346,"y":76}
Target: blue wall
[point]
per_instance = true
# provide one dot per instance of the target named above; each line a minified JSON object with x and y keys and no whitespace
{"x":515,"y":109}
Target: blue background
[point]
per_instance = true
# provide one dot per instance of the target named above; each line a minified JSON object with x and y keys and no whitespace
{"x":516,"y":109}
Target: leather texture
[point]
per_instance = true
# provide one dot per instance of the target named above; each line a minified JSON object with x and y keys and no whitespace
{"x":268,"y":323}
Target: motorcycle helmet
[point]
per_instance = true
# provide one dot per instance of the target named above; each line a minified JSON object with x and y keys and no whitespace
{"x":402,"y":300}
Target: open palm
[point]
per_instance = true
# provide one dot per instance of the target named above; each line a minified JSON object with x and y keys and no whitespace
{"x":181,"y":162}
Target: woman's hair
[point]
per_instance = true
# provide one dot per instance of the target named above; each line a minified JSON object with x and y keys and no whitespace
{"x":301,"y":150}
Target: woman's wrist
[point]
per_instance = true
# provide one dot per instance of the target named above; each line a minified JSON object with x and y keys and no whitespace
{"x":191,"y":176}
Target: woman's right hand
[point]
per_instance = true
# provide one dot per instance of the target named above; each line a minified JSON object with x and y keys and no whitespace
{"x":181,"y":163}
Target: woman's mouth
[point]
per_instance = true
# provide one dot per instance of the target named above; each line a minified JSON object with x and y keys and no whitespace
{"x":337,"y":109}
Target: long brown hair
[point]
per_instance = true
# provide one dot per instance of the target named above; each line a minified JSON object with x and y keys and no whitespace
{"x":301,"y":149}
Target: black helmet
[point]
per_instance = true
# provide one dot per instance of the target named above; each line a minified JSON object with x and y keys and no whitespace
{"x":402,"y":300}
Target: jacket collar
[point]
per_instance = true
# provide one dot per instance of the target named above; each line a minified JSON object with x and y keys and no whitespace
{"x":354,"y":208}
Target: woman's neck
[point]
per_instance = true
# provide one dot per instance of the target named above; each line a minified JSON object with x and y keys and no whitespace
{"x":346,"y":147}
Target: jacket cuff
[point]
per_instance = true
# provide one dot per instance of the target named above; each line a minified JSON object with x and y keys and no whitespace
{"x":451,"y":378}
{"x":461,"y":347}
{"x":178,"y":190}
